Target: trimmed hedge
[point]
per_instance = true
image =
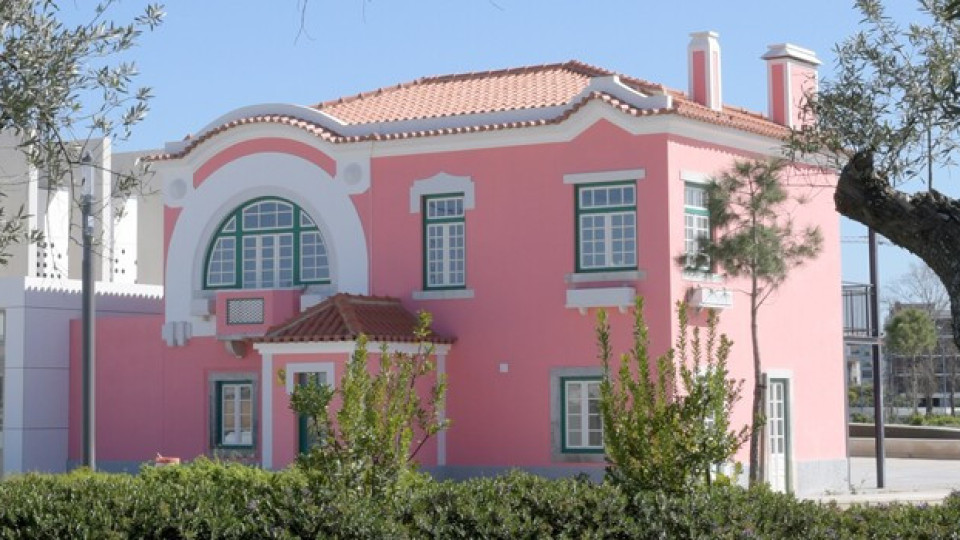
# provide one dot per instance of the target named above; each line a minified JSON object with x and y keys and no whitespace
{"x":210,"y":500}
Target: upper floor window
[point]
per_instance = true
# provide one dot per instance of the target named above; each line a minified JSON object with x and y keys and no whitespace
{"x":266,"y":243}
{"x":444,"y":242}
{"x":606,"y":226}
{"x":696,"y":226}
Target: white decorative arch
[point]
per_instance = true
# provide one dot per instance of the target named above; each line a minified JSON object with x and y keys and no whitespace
{"x":267,"y":174}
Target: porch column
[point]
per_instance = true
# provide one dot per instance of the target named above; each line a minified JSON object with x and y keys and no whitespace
{"x":266,"y":410}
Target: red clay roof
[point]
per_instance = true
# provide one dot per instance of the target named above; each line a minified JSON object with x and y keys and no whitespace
{"x":529,"y":87}
{"x":469,"y":93}
{"x":343,"y":317}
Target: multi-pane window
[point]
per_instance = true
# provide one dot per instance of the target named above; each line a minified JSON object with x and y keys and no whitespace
{"x":582,"y":423}
{"x":234,"y":413}
{"x":696,"y":226}
{"x":267,"y":243}
{"x":444,"y":242}
{"x":606,"y":226}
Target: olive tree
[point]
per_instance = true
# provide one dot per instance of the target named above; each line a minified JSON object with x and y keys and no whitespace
{"x":890,"y":114}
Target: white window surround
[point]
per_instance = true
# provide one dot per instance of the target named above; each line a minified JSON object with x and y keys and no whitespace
{"x":605,"y":176}
{"x":449,"y":294}
{"x":602,"y":277}
{"x":702,"y":277}
{"x":694,"y":177}
{"x":441,"y":183}
{"x":295,"y":368}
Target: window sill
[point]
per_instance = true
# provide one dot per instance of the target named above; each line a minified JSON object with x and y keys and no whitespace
{"x":702,"y":277}
{"x":605,"y":297}
{"x":604,"y":277}
{"x":448,"y":294}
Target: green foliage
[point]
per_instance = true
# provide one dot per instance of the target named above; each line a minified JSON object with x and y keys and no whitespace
{"x":755,"y":237}
{"x":667,"y":429}
{"x":383,"y":420}
{"x":212,"y":500}
{"x":911,"y":332}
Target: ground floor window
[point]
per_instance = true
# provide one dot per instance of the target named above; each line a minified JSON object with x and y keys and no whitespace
{"x":234,"y":414}
{"x":582,"y":422}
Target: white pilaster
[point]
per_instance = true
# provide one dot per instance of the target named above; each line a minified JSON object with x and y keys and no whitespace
{"x":266,"y":411}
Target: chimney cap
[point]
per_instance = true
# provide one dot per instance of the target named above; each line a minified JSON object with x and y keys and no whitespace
{"x":789,"y":50}
{"x":704,"y":34}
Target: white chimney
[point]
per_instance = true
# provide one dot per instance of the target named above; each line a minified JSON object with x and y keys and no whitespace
{"x":791,"y":78}
{"x":703,"y":55}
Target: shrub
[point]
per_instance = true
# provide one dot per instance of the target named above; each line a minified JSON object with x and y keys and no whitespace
{"x":383,"y":420}
{"x":212,"y":500}
{"x":668,"y":428}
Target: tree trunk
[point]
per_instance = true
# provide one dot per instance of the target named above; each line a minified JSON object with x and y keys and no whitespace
{"x":756,"y":468}
{"x":926,"y":224}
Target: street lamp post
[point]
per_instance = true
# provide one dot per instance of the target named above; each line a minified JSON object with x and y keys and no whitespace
{"x":875,"y":349}
{"x":89,"y":312}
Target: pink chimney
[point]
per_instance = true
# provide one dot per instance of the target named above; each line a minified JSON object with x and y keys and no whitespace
{"x":791,"y":77}
{"x":704,"y":64}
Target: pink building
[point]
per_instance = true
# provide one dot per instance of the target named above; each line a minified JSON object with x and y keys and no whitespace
{"x":510,"y":204}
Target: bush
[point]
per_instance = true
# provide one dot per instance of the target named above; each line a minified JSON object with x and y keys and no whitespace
{"x":212,"y":500}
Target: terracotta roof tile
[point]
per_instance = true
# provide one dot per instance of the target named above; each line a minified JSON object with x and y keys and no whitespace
{"x":343,"y":317}
{"x":469,"y":93}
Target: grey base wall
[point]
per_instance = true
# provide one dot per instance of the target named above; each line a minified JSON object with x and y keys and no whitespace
{"x":818,"y":477}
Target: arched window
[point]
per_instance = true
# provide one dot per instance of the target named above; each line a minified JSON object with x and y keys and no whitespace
{"x":266,"y":243}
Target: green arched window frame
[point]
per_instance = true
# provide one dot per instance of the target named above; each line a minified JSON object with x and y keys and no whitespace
{"x":266,"y":243}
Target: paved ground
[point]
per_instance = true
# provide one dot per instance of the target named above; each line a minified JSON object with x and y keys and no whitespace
{"x":907,"y":480}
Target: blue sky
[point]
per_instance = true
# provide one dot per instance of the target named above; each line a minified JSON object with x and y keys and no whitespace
{"x":212,"y":56}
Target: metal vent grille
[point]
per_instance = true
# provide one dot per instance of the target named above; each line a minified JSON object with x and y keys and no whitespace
{"x":245,"y":311}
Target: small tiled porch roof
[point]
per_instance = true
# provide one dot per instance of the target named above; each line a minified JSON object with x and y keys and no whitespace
{"x":343,"y":317}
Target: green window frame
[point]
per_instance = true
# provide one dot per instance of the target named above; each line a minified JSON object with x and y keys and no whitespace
{"x":606,"y":226}
{"x":579,"y":404}
{"x":266,"y":243}
{"x":696,"y":226}
{"x":231,"y":415}
{"x":444,"y":242}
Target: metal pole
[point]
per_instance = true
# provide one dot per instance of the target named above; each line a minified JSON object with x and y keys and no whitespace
{"x":89,"y":312}
{"x":877,"y":373}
